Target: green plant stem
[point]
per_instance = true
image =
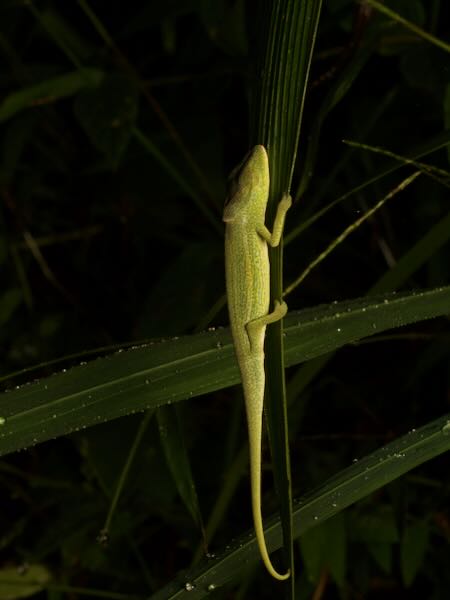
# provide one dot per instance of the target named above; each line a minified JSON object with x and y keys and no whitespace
{"x":126,"y":469}
{"x":401,"y":186}
{"x":382,"y":8}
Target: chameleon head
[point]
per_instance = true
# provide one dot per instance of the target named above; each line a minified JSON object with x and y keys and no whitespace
{"x":248,"y":186}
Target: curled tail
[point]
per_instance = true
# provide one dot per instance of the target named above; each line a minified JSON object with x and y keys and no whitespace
{"x":255,"y":435}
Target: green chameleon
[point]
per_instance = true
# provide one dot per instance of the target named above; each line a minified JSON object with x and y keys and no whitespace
{"x":247,"y":272}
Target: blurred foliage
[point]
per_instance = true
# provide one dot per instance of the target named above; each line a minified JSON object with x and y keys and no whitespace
{"x":118,"y":125}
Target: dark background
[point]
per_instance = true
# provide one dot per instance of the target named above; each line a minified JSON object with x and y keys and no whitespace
{"x":101,"y":244}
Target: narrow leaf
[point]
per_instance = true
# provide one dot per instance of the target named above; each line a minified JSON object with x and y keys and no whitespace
{"x":18,"y":583}
{"x":164,"y":372}
{"x":413,"y":548}
{"x":172,"y":440}
{"x":350,"y":485}
{"x":49,"y":91}
{"x":287,"y":41}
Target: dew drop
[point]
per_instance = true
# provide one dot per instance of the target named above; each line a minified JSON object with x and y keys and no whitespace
{"x":2,"y":420}
{"x":189,"y":587}
{"x":103,"y":538}
{"x":23,"y":568}
{"x":211,"y":587}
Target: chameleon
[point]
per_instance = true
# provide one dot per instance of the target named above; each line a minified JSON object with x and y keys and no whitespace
{"x":247,"y":275}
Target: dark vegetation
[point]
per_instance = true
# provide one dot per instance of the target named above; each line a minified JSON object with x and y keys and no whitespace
{"x":119,"y":122}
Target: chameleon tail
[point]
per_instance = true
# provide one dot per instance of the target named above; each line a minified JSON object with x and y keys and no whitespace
{"x":255,"y":435}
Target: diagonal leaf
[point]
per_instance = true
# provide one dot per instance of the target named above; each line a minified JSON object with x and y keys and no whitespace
{"x":409,"y":25}
{"x":172,"y":440}
{"x":350,"y":485}
{"x":48,"y":91}
{"x":413,"y":548}
{"x":16,"y":584}
{"x":408,"y":264}
{"x":164,"y":372}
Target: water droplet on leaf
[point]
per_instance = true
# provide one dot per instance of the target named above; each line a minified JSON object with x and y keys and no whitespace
{"x":103,"y":537}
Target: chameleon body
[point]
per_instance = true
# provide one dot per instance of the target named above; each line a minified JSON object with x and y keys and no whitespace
{"x":247,"y":272}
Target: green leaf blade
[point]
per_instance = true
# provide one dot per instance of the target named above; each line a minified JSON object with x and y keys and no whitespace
{"x":49,"y":91}
{"x":169,"y":371}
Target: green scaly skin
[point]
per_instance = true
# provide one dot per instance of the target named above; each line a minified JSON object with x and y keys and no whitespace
{"x":247,"y":272}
